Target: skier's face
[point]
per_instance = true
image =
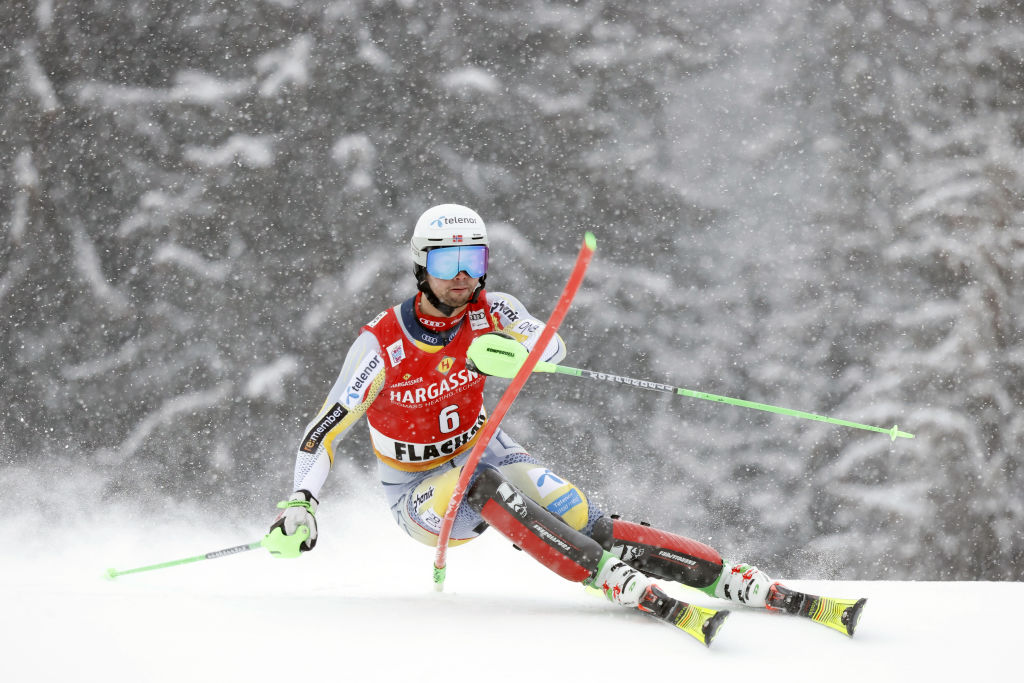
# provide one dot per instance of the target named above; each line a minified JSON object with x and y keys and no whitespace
{"x":455,"y":292}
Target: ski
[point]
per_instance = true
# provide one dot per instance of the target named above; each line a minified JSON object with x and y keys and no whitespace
{"x":700,"y":622}
{"x":836,"y":613}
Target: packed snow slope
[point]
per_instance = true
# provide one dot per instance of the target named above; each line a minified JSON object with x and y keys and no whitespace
{"x":361,"y":607}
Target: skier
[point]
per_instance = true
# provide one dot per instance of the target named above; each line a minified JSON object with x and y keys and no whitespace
{"x":407,"y":371}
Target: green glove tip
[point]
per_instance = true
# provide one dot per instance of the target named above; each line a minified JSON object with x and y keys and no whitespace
{"x":280,"y":545}
{"x":590,"y":241}
{"x":110,"y":574}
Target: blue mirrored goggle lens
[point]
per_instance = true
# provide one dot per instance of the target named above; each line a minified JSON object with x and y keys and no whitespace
{"x":446,"y":262}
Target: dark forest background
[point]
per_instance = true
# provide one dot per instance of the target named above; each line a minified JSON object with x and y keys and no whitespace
{"x":810,"y":203}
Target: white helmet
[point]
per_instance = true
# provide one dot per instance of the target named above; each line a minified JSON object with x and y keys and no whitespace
{"x":446,"y":225}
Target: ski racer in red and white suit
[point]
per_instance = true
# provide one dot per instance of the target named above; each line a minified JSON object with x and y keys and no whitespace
{"x":407,"y":372}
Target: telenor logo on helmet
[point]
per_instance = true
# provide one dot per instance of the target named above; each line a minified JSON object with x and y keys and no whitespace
{"x":442,"y":221}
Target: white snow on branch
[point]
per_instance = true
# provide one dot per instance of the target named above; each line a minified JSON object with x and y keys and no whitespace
{"x":103,"y":364}
{"x":38,"y":82}
{"x":191,"y":403}
{"x":274,"y":70}
{"x":112,"y":96}
{"x":190,"y":87}
{"x":26,"y":178}
{"x":286,"y":66}
{"x":373,"y":55}
{"x":554,"y":104}
{"x":471,"y":78}
{"x":268,"y":381}
{"x":624,"y":54}
{"x":159,"y":208}
{"x":193,"y":261}
{"x":356,"y":153}
{"x":25,"y":172}
{"x":44,"y":14}
{"x":197,"y":87}
{"x":14,"y":274}
{"x":332,"y":293}
{"x":568,"y":21}
{"x":510,"y":238}
{"x":90,"y":268}
{"x":947,"y":198}
{"x":246,"y":150}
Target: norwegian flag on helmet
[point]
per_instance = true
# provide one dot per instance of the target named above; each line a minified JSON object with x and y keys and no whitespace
{"x":457,"y":239}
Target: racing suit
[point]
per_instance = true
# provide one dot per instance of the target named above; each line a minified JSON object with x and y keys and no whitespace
{"x":425,"y":411}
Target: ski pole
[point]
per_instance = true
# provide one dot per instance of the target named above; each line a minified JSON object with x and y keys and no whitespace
{"x":495,"y":355}
{"x":893,"y":432}
{"x":519,"y":376}
{"x":114,"y":573}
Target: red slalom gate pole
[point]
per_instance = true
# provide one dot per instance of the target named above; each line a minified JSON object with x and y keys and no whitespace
{"x":550,"y":327}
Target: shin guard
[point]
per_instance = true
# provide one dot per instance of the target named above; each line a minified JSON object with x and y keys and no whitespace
{"x":659,"y":553}
{"x":569,"y":553}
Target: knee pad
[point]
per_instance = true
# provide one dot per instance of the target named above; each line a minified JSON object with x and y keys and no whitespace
{"x":556,"y":494}
{"x":659,"y":553}
{"x":562,"y":549}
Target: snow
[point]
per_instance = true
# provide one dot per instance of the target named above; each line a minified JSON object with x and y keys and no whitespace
{"x":26,"y":176}
{"x":361,"y":607}
{"x":471,"y":78}
{"x":193,"y":261}
{"x":90,"y":270}
{"x":253,"y":151}
{"x":36,"y":79}
{"x":358,"y":151}
{"x":165,"y":413}
{"x":280,"y":68}
{"x":269,"y":380}
{"x":197,"y":87}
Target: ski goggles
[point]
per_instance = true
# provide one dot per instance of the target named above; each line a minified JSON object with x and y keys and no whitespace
{"x":445,"y":263}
